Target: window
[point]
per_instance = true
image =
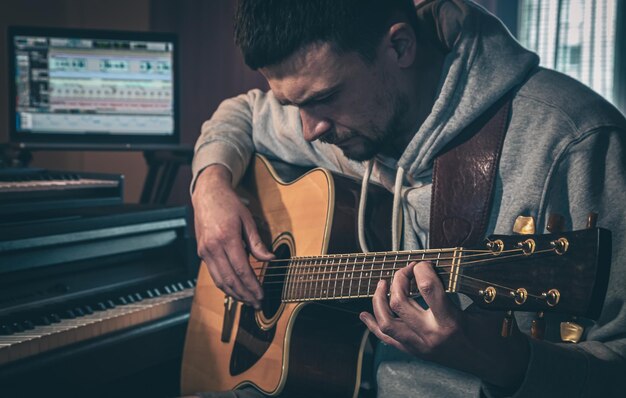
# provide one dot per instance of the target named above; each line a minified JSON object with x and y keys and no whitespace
{"x":576,"y":37}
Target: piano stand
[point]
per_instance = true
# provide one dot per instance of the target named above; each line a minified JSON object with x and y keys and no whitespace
{"x":162,"y":171}
{"x":163,"y":165}
{"x":11,"y":156}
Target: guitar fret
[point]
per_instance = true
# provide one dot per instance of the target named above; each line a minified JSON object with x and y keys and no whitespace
{"x":303,"y":283}
{"x":296,"y":283}
{"x":328,"y":275}
{"x":369,"y":279}
{"x":454,"y":271}
{"x":382,"y":266}
{"x":350,"y":276}
{"x":287,"y":284}
{"x":322,"y":278}
{"x":291,"y":280}
{"x":306,"y":283}
{"x":343,"y":279}
{"x":358,"y":293}
{"x":315,"y":280}
{"x":395,"y":266}
{"x":334,"y":276}
{"x":301,"y":279}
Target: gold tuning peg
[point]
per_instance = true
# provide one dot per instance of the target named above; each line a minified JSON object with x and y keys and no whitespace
{"x":524,"y":225}
{"x":538,"y":326}
{"x":507,"y":324}
{"x":592,"y":219}
{"x":571,"y":332}
{"x":555,"y":223}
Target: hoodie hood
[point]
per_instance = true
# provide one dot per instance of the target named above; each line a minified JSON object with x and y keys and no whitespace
{"x":481,"y":65}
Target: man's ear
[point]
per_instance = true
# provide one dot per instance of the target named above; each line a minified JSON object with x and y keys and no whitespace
{"x":401,"y":38}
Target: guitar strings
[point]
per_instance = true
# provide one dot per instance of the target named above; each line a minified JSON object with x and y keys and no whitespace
{"x":300,"y":261}
{"x":294,"y":285}
{"x":473,"y":282}
{"x":304,"y":269}
{"x":365,"y":256}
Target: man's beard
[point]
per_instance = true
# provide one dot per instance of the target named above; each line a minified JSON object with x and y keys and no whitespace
{"x":371,"y":145}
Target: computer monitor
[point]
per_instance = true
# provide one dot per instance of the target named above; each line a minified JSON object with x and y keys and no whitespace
{"x":89,"y":89}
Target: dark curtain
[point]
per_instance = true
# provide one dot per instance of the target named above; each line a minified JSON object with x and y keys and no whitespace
{"x":505,"y":10}
{"x":620,"y":57}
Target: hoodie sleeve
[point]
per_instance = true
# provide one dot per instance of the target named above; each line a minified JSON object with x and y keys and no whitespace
{"x":590,"y":176}
{"x":256,"y":122}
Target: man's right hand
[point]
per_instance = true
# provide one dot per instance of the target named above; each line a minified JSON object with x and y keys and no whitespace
{"x":224,"y":229}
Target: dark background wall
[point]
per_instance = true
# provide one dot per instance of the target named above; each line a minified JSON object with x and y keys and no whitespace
{"x":211,"y":69}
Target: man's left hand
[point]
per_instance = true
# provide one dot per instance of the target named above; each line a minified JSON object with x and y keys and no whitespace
{"x":467,"y":340}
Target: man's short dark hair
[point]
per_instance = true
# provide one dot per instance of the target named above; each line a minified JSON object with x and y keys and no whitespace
{"x":269,"y":31}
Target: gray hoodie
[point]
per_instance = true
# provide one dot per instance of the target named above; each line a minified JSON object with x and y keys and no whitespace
{"x":564,"y":152}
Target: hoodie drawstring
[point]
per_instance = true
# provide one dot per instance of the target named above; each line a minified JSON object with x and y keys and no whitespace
{"x":362,"y":203}
{"x":396,"y":218}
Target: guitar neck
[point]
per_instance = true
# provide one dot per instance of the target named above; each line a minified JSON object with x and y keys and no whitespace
{"x":347,"y":276}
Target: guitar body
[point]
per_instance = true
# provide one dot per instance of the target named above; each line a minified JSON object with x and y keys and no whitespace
{"x":305,"y":349}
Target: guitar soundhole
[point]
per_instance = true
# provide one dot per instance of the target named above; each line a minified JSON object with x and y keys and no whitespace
{"x":273,"y":281}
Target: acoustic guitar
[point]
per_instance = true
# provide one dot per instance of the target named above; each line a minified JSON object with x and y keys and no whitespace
{"x":307,"y":340}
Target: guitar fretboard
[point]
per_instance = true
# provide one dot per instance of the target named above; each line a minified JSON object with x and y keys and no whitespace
{"x":345,"y":276}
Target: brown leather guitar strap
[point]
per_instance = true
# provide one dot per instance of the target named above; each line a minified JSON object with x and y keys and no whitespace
{"x":464,"y":179}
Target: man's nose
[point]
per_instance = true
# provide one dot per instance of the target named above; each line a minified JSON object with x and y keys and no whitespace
{"x":314,"y":127}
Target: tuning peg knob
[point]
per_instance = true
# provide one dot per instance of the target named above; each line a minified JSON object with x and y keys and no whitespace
{"x":507,"y":324}
{"x":592,"y":220}
{"x":555,"y":223}
{"x":538,"y":326}
{"x":524,"y":225}
{"x":571,"y":332}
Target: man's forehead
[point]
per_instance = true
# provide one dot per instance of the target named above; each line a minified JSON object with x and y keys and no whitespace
{"x":312,"y":70}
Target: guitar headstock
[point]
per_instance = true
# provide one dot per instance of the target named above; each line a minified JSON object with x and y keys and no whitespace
{"x":560,"y":272}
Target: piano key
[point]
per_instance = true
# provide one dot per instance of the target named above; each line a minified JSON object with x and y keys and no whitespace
{"x":45,"y":338}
